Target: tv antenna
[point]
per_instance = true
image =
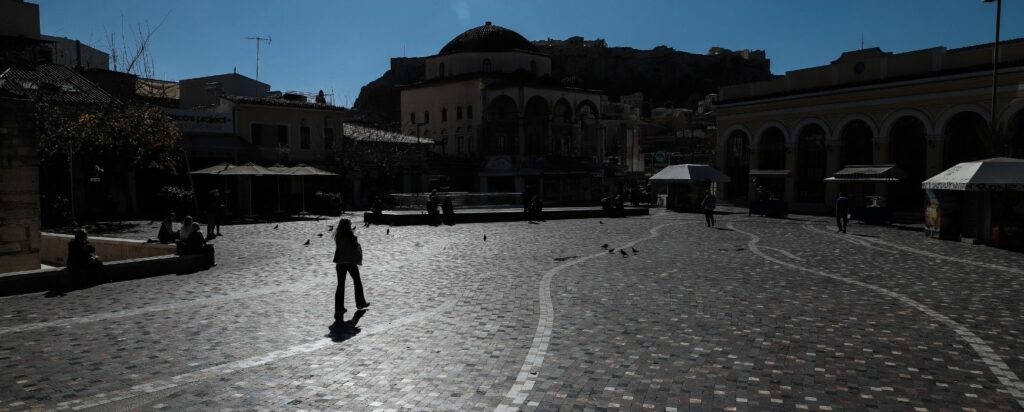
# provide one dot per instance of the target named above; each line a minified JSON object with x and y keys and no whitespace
{"x":258,"y":41}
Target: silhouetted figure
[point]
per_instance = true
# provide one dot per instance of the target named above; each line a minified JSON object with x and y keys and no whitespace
{"x":448,"y":211}
{"x":619,"y":205}
{"x":378,"y":211}
{"x":606,"y":205}
{"x":83,"y":264}
{"x":348,"y":256}
{"x":218,"y":217}
{"x":167,"y":233}
{"x":842,"y":212}
{"x":708,"y":206}
{"x":527,"y":196}
{"x":537,"y":208}
{"x":432,"y":212}
{"x":195,"y":244}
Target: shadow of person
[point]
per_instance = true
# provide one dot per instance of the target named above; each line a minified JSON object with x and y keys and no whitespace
{"x":346,"y":330}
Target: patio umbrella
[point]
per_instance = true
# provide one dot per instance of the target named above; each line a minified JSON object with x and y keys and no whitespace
{"x":213,"y":170}
{"x":690,"y":173}
{"x":249,"y":169}
{"x":281,"y":169}
{"x":996,"y":174}
{"x":302,"y":171}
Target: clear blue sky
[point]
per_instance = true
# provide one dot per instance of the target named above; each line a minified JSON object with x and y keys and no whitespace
{"x":346,"y":44}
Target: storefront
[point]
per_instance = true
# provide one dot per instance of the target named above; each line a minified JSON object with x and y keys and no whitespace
{"x":981,"y":201}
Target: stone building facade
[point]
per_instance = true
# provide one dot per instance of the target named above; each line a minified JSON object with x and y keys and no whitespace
{"x":19,"y":187}
{"x":923,"y":111}
{"x":501,"y":123}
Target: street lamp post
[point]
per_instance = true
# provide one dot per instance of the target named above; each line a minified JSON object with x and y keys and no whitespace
{"x":995,"y":77}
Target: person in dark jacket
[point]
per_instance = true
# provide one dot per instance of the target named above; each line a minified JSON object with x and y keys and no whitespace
{"x":448,"y":211}
{"x":842,"y":212}
{"x":348,"y":256}
{"x":167,"y":233}
{"x":708,"y":206}
{"x":83,"y":264}
{"x":195,"y":244}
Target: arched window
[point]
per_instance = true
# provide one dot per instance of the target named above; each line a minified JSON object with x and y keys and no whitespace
{"x":444,"y":114}
{"x":469,"y":112}
{"x":458,"y":139}
{"x":487,"y":66}
{"x":458,"y":113}
{"x":426,"y":116}
{"x":440,"y":70}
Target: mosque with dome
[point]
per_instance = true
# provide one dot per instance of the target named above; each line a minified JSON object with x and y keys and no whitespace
{"x":502,"y":123}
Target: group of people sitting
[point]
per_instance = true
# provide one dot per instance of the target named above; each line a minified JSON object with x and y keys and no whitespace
{"x":189,"y":239}
{"x":447,"y":212}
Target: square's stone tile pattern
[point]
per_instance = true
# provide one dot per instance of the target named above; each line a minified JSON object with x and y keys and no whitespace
{"x":693,"y":321}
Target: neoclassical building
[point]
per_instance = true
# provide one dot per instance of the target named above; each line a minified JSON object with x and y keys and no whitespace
{"x":501,"y":122}
{"x":924,"y":111}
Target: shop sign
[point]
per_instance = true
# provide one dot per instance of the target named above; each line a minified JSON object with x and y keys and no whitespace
{"x":198,"y":121}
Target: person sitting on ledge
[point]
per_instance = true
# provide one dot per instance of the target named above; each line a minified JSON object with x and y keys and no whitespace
{"x":195,"y":244}
{"x":167,"y":233}
{"x":83,"y":264}
{"x":186,"y":228}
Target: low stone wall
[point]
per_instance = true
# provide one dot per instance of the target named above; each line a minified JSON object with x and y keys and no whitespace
{"x":54,"y":250}
{"x":47,"y":279}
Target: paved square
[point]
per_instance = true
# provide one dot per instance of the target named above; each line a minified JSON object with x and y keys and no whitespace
{"x":758,"y":314}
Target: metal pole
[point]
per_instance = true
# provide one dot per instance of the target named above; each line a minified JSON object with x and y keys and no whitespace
{"x":71,"y":182}
{"x":191,"y":182}
{"x":995,"y":78}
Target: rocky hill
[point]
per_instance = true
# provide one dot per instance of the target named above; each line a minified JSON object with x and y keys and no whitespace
{"x":664,"y":75}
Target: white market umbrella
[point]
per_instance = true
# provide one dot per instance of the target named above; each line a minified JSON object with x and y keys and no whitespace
{"x":690,"y":173}
{"x":251,"y":170}
{"x":302,"y":171}
{"x":996,"y":174}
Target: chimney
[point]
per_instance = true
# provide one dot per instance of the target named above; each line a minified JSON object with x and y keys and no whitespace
{"x":78,"y":54}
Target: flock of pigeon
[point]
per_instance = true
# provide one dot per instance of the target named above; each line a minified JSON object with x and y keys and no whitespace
{"x":388,"y":232}
{"x":622,"y":251}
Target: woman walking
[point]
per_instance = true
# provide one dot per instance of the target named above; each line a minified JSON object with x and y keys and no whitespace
{"x":348,"y":255}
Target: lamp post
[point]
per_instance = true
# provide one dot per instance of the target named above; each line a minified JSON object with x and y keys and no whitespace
{"x":995,"y":76}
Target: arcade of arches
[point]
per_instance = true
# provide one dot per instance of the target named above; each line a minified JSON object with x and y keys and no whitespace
{"x":813,"y":149}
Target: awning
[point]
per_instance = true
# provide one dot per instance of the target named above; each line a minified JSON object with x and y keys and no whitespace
{"x":768,"y":172}
{"x":997,"y":174}
{"x":689,"y":173}
{"x":867,"y":174}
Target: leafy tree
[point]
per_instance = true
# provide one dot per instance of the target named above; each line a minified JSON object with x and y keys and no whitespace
{"x":118,"y":137}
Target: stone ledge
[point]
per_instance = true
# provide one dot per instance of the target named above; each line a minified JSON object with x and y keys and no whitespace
{"x":402,"y":218}
{"x":42,"y":280}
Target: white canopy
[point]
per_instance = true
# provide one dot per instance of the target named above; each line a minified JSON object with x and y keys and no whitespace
{"x":690,"y":173}
{"x":997,"y":174}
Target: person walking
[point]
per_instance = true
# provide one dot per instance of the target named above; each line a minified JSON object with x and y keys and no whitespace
{"x":842,"y":212}
{"x":708,"y":206}
{"x":348,"y":256}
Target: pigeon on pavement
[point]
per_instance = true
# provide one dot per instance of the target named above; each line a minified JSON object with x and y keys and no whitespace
{"x":275,"y":226}
{"x":485,"y":238}
{"x":604,"y":246}
{"x":307,"y":243}
{"x":634,"y":250}
{"x":623,"y":252}
{"x":612,"y":250}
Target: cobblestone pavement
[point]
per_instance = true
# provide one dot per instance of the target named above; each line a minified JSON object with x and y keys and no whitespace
{"x":758,"y":314}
